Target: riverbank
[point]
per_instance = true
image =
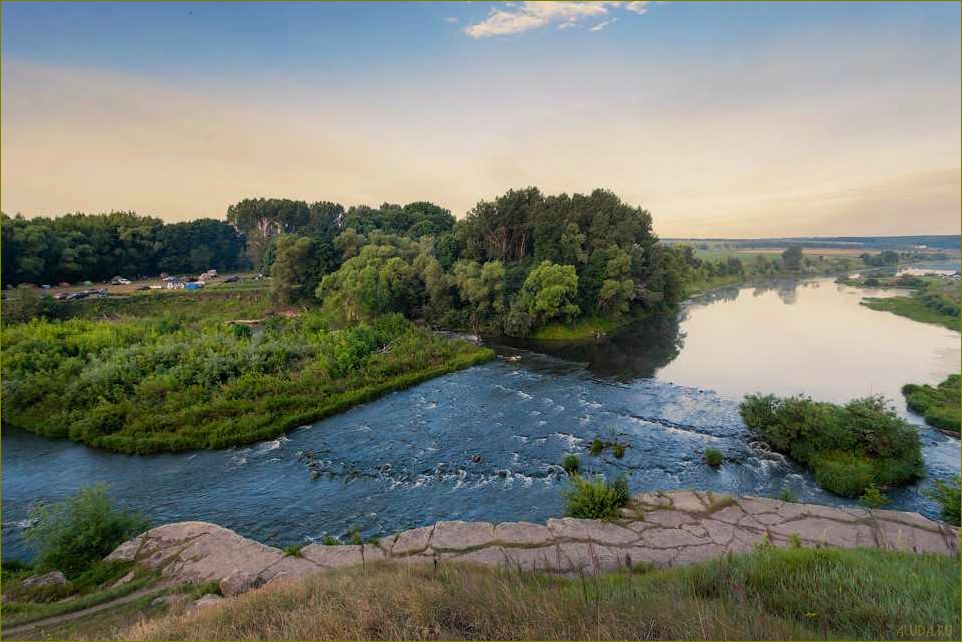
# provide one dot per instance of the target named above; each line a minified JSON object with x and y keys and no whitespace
{"x":154,"y":384}
{"x":715,"y":537}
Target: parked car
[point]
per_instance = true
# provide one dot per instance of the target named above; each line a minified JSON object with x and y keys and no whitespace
{"x":232,"y":279}
{"x":119,"y":280}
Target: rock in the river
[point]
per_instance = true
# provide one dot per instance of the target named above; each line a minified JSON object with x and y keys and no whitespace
{"x":47,"y":579}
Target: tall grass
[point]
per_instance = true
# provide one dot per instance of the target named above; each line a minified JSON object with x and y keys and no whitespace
{"x":767,"y":594}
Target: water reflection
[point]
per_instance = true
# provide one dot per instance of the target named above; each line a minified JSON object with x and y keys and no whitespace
{"x":637,"y":352}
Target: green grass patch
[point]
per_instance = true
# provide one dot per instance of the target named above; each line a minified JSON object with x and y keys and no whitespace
{"x":767,"y":594}
{"x":912,"y":307}
{"x":587,"y":328}
{"x":595,"y":498}
{"x":939,"y":405}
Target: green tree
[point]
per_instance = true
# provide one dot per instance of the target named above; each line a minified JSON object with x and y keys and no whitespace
{"x":481,"y":290}
{"x":792,"y":259}
{"x":299,"y":264}
{"x":548,"y":293}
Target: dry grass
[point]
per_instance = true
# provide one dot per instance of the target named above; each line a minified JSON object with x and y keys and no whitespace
{"x":801,"y":594}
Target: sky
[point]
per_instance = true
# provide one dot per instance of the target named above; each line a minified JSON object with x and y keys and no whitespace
{"x":722,"y":119}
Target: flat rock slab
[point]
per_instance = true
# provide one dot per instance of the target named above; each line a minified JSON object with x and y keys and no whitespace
{"x":663,"y":529}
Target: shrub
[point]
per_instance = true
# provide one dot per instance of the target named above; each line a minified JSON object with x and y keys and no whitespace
{"x":788,"y":495}
{"x":847,"y":447}
{"x":947,"y":494}
{"x":618,"y":450}
{"x":714,"y":457}
{"x":939,"y":405}
{"x":293,"y":550}
{"x":571,"y":464}
{"x":73,"y":535}
{"x":596,"y":499}
{"x":873,"y":497}
{"x":597,"y":447}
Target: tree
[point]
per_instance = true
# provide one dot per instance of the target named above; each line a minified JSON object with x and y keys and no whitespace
{"x":548,"y":293}
{"x":261,"y":219}
{"x":375,"y":281}
{"x":299,"y":264}
{"x":481,"y":290}
{"x":618,"y":288}
{"x":792,"y":259}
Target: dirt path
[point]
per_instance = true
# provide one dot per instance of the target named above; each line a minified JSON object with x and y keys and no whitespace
{"x":15,"y":631}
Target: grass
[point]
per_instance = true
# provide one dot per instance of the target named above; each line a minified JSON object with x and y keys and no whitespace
{"x":168,"y":384}
{"x":766,"y":594}
{"x":595,"y":498}
{"x":939,"y":405}
{"x":912,"y":307}
{"x":714,"y":457}
{"x":17,"y":613}
{"x":571,"y":464}
{"x":586,"y":328}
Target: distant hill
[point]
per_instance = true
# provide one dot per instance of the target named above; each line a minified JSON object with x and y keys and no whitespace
{"x":938,"y":241}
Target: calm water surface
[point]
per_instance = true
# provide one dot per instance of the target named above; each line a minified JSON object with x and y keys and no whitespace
{"x":485,"y":443}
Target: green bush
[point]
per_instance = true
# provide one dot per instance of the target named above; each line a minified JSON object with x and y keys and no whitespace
{"x":618,"y":450}
{"x":940,"y":405}
{"x":596,"y":499}
{"x":873,"y":497}
{"x":714,"y":457}
{"x":597,"y":447}
{"x":788,"y":495}
{"x":571,"y":464}
{"x":947,"y":494}
{"x":74,"y":535}
{"x":848,"y":448}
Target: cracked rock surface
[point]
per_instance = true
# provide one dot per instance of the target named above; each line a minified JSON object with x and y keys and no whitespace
{"x":663,"y":529}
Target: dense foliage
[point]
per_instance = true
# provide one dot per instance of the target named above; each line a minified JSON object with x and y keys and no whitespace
{"x":939,"y":405}
{"x":75,"y":534}
{"x":848,"y":448}
{"x":80,"y":247}
{"x":949,"y":496}
{"x":160,"y":384}
{"x":512,"y":265}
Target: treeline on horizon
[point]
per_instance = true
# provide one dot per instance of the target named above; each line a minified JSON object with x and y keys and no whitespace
{"x":512,"y":264}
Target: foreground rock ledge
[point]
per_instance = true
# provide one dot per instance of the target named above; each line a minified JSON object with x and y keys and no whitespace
{"x":663,"y":529}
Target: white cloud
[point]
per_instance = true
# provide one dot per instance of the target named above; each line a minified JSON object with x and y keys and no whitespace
{"x":535,"y":15}
{"x":451,"y":20}
{"x":602,"y":25}
{"x":640,"y":8}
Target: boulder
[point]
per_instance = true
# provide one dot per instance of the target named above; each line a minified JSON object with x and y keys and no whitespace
{"x":207,"y":600}
{"x":52,"y":578}
{"x":240,"y":582}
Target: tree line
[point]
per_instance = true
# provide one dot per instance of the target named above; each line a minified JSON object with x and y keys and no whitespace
{"x":79,"y":247}
{"x":512,"y":264}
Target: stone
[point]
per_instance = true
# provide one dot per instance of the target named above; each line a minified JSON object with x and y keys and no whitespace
{"x":208,"y":600}
{"x":569,"y":528}
{"x":757,"y":505}
{"x":124,"y":580}
{"x":686,"y":500}
{"x":411,"y":541}
{"x":53,"y":578}
{"x":667,"y":518}
{"x":458,"y":535}
{"x":491,"y":556}
{"x":521,"y":533}
{"x":652,"y":500}
{"x":730,"y":514}
{"x":542,"y":558}
{"x":694,"y":554}
{"x":669,"y":538}
{"x":290,"y":566}
{"x":240,"y":582}
{"x":719,"y":532}
{"x":333,"y":556}
{"x":820,"y":531}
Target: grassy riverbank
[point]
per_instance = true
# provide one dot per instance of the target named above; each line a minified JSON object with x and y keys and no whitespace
{"x":177,"y":382}
{"x":916,"y":308}
{"x":766,"y":594}
{"x":934,"y":299}
{"x":939,"y":405}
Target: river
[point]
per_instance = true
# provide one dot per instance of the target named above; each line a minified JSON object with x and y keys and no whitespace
{"x":485,"y":443}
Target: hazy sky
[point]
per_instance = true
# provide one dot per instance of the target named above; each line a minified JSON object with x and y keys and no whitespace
{"x":729,"y":119}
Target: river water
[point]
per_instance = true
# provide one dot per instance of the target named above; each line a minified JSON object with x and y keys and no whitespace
{"x":485,"y":443}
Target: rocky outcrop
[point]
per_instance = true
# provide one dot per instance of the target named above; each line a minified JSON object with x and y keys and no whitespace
{"x":663,"y":529}
{"x":52,"y":578}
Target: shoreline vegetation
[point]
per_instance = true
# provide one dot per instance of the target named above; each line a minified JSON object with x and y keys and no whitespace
{"x":933,"y":299}
{"x":939,"y":405}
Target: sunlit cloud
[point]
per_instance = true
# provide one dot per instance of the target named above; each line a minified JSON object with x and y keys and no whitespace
{"x":517,"y":18}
